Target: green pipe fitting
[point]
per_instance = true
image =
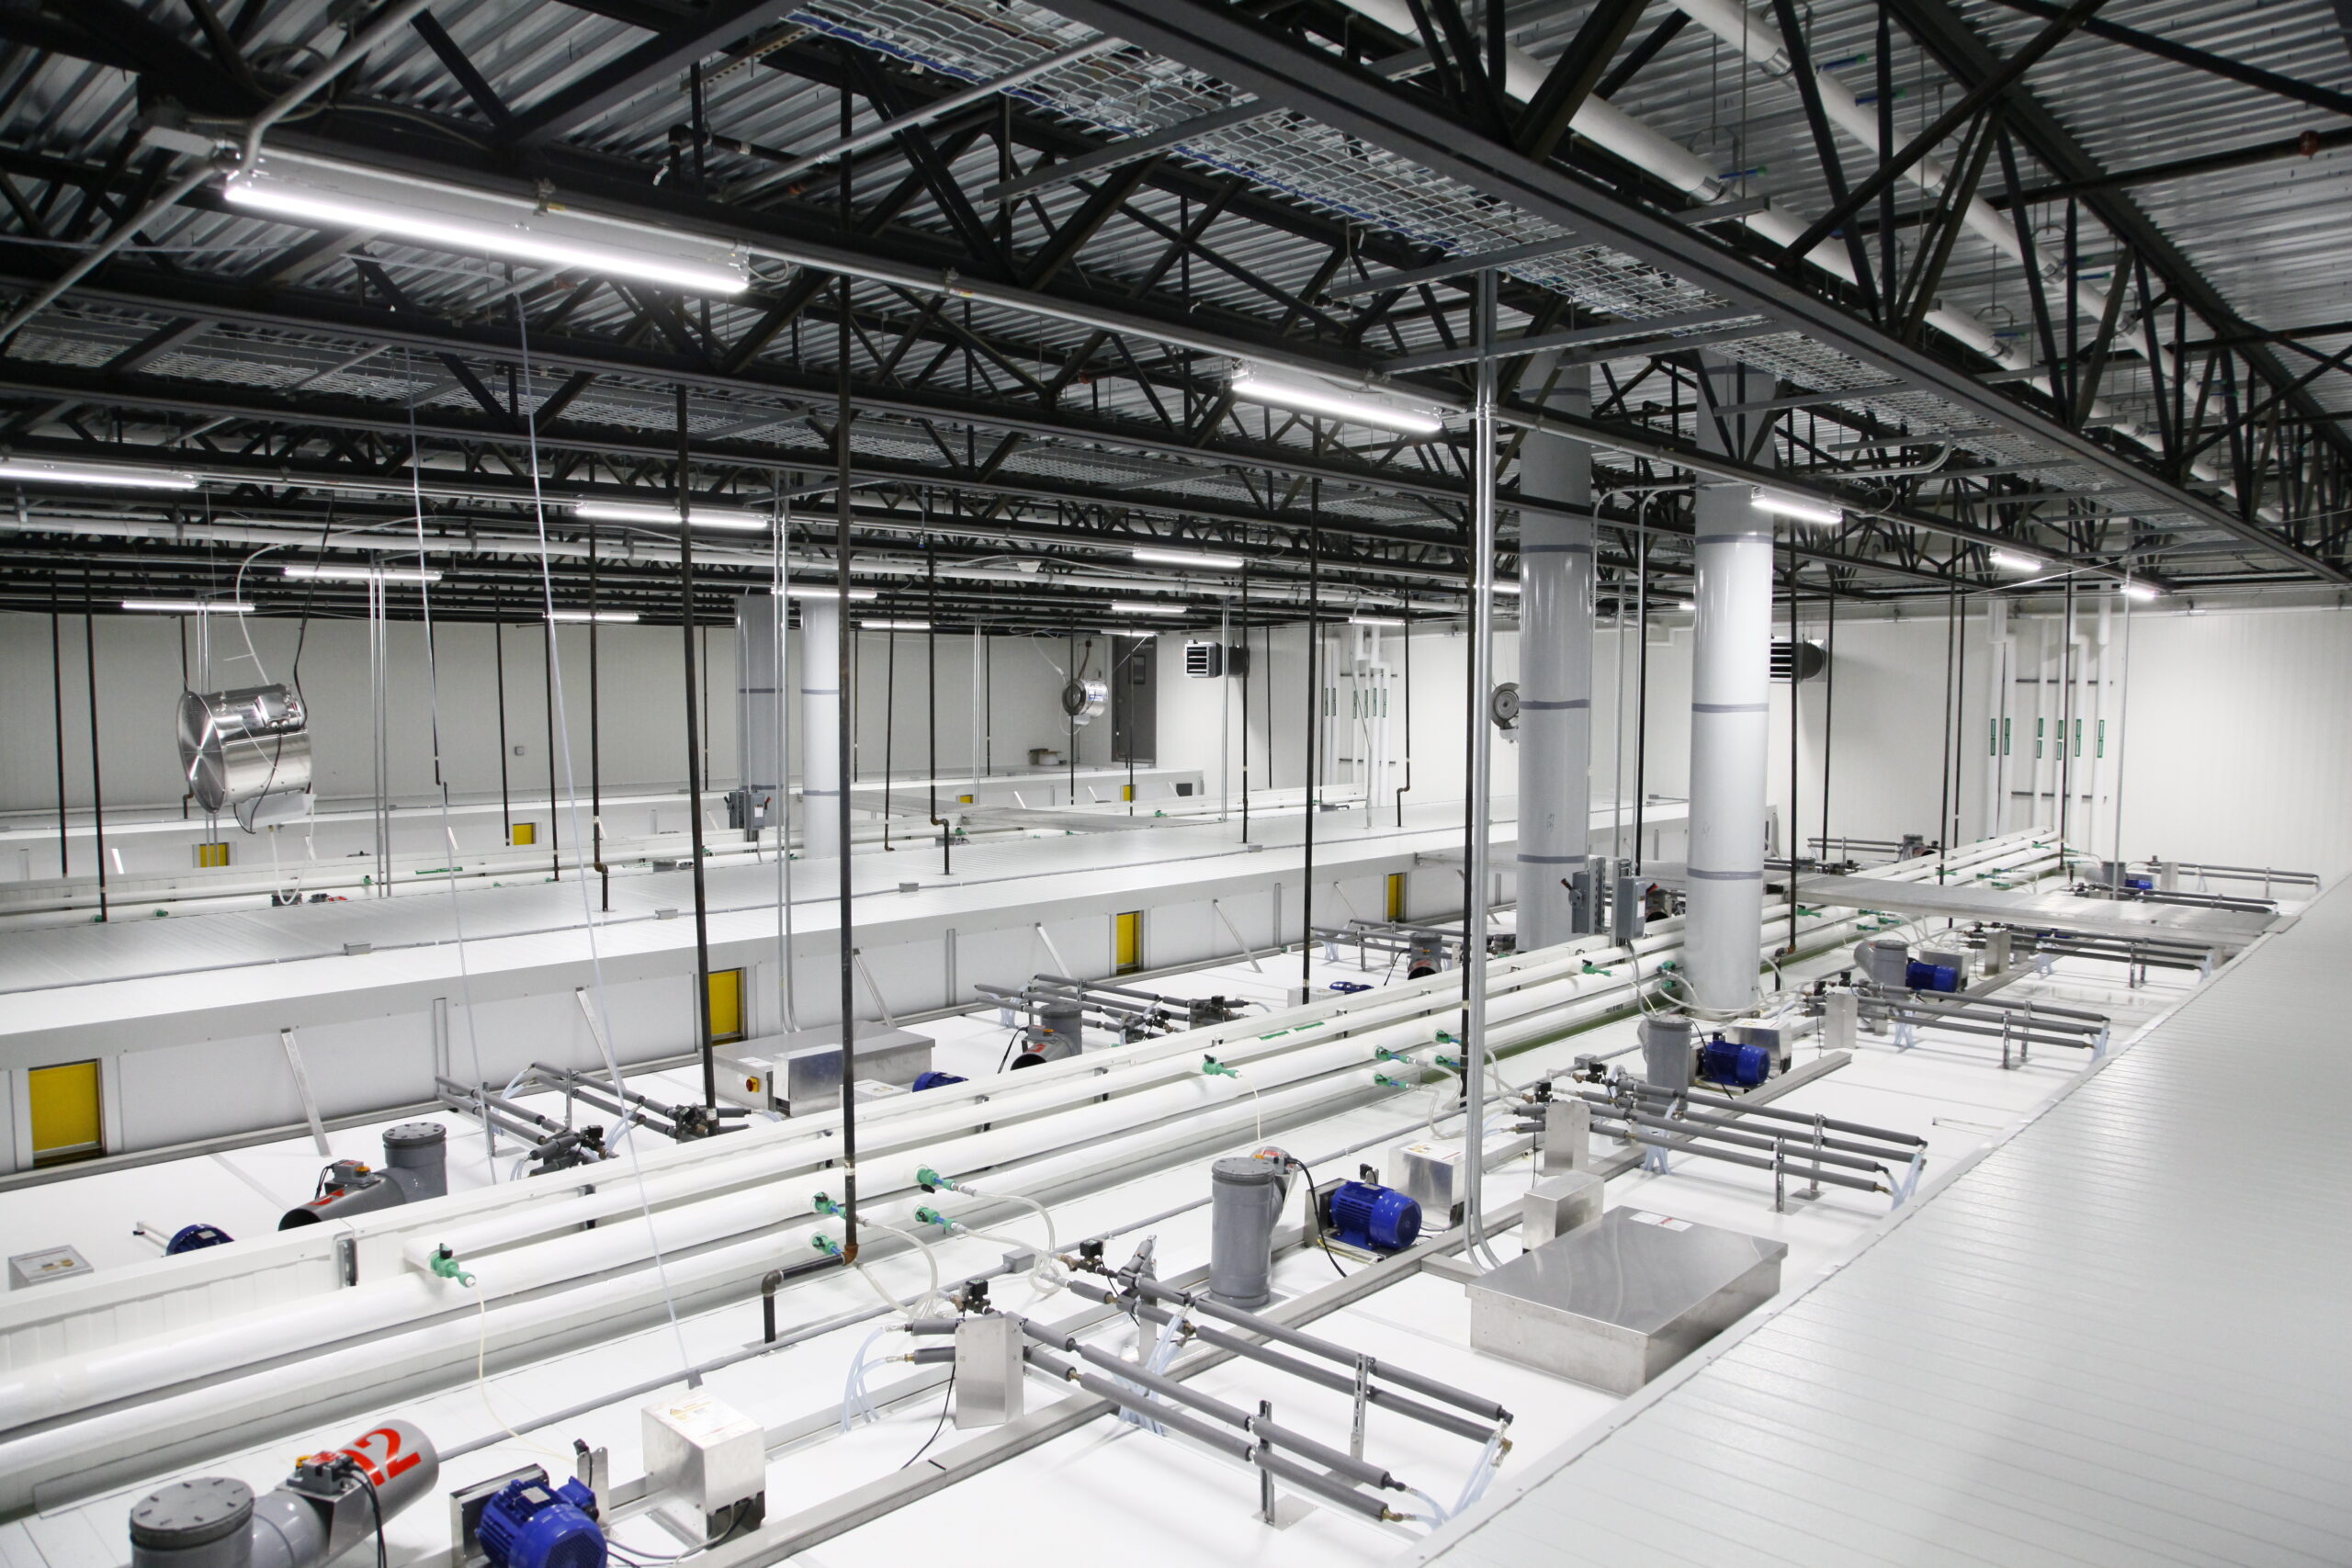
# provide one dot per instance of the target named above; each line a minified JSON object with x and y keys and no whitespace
{"x":444,"y":1264}
{"x":825,"y":1245}
{"x":930,"y":1180}
{"x":931,"y":1216}
{"x":1217,"y":1069}
{"x":824,"y":1205}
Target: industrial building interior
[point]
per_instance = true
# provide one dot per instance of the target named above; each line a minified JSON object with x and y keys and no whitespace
{"x":1306,"y":782}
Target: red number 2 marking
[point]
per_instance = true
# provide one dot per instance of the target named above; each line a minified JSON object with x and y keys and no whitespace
{"x":395,"y":1464}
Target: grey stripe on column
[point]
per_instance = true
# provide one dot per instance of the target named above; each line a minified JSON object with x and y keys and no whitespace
{"x":1694,"y":871}
{"x":1724,"y":707}
{"x":1540,"y":706}
{"x":1553,"y":860}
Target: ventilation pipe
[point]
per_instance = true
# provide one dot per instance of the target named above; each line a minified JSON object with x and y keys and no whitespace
{"x":1555,"y":572}
{"x":1731,"y":660}
{"x":820,"y":716}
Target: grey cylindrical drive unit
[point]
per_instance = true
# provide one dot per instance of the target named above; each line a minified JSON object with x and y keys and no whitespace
{"x":1059,"y":1032}
{"x":1666,"y":1053}
{"x":1245,"y":1199}
{"x":321,"y":1513}
{"x":416,"y":1156}
{"x":205,"y":1523}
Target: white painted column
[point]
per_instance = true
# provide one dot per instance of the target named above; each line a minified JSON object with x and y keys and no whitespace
{"x":820,"y":716}
{"x":1730,"y":706}
{"x":1556,"y":576}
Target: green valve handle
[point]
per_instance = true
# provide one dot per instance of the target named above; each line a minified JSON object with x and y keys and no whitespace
{"x":825,"y":1245}
{"x":446,"y":1265}
{"x":931,"y":1217}
{"x":1668,"y":967}
{"x":1592,"y":968}
{"x":930,"y":1180}
{"x":1385,"y":1081}
{"x":1444,"y":1038}
{"x":1453,"y":1061}
{"x":1217,"y":1069}
{"x":824,"y":1205}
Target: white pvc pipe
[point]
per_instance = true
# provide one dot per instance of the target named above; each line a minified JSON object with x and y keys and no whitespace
{"x":1292,"y":1060}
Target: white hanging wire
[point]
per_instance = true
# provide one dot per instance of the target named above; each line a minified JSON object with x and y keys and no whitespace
{"x":603,"y":1033}
{"x":440,"y":776}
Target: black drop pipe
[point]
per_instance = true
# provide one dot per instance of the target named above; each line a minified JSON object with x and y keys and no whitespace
{"x":845,"y":654}
{"x":1408,"y":720}
{"x":1314,"y":718}
{"x":1641,"y":687}
{"x":1243,"y":674}
{"x":555,"y":854}
{"x":97,"y":782}
{"x":505,"y":797}
{"x":1829,"y":706}
{"x":889,"y":725}
{"x":596,"y":739}
{"x":1796,"y":684}
{"x":693,"y":771}
{"x":1943,"y":795}
{"x":57,"y":699}
{"x":931,"y":662}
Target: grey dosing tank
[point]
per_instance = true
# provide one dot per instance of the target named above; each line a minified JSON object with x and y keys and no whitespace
{"x":1246,"y":1198}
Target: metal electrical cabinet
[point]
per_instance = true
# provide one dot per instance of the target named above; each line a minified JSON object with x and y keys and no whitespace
{"x":1135,"y":704}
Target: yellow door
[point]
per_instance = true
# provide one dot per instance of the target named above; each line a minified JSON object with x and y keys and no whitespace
{"x":65,"y":1113}
{"x":211,"y":854}
{"x":726,"y":1004}
{"x":1395,"y":895}
{"x":522,"y":834}
{"x":1128,"y":946}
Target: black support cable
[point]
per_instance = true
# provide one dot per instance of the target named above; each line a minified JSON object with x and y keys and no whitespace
{"x":845,"y":652}
{"x":1314,"y":720}
{"x":694,"y":772}
{"x":98,"y":783}
{"x":57,"y":697}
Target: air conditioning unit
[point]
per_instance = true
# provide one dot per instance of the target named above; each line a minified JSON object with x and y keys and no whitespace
{"x":1203,"y":660}
{"x":1806,"y":659}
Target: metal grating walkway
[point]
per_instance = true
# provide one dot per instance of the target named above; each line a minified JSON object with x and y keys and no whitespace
{"x":2117,"y":1338}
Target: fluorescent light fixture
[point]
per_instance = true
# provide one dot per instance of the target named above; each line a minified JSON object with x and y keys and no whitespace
{"x":667,"y":516}
{"x":1251,"y":386}
{"x":345,"y":196}
{"x":1510,"y":588}
{"x":895,"y":626}
{"x":1191,"y":558}
{"x":190,"y":606}
{"x":363,"y":573}
{"x":811,"y":590}
{"x":1796,"y":507}
{"x":574,"y":617}
{"x":2143,"y":591}
{"x":1360,"y":620}
{"x":1137,"y":607}
{"x":40,"y":470}
{"x":2017,"y":560}
{"x":1145,"y":633}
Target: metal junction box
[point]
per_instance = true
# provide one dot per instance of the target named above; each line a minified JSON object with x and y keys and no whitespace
{"x":988,"y":1370}
{"x":705,"y":1459}
{"x":795,"y":1074}
{"x":1614,"y":1303}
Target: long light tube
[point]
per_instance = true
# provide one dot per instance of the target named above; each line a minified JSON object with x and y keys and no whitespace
{"x":895,"y":626}
{"x":575,"y":617}
{"x":2017,"y":560}
{"x":1137,"y":607}
{"x":1250,"y":386}
{"x":1375,"y":620}
{"x":363,"y":573}
{"x":1191,"y":558}
{"x":2143,"y":591}
{"x":190,"y":606}
{"x":1796,"y":507}
{"x":812,"y":590}
{"x":667,"y":516}
{"x":41,"y":471}
{"x":345,"y":196}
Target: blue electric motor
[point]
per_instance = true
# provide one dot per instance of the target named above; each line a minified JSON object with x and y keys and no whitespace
{"x":1742,"y":1066}
{"x":1348,"y":988}
{"x":190,"y":1238}
{"x":1378,"y":1219}
{"x":535,"y":1524}
{"x":1931,"y":977}
{"x":934,"y":1080}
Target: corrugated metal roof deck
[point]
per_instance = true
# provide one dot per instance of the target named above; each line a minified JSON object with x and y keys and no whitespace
{"x":2114,"y":1338}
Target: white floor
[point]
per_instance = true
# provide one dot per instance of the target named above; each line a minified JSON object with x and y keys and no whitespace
{"x":1148,"y":1499}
